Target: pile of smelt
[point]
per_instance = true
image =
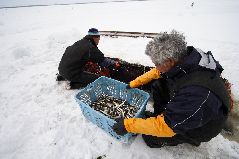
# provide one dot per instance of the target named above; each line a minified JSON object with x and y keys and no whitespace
{"x":114,"y":108}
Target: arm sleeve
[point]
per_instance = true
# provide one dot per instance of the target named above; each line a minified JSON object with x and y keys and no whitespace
{"x":107,"y":63}
{"x":154,"y":126}
{"x":96,"y":55}
{"x":145,"y":78}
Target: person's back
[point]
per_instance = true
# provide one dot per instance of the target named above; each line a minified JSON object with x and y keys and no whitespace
{"x":76,"y":56}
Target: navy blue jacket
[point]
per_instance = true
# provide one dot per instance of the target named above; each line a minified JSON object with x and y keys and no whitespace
{"x":195,"y":111}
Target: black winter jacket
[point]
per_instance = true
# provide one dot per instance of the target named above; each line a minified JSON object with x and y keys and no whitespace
{"x":76,"y":57}
{"x":197,"y":110}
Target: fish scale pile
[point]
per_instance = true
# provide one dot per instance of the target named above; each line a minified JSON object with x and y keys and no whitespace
{"x":114,"y":108}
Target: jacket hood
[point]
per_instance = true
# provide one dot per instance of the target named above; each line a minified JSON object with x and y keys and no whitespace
{"x":196,"y":60}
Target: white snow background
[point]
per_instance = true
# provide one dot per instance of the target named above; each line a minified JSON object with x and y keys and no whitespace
{"x":40,"y":119}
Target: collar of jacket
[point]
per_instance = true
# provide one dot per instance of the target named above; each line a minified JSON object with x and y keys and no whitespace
{"x":89,"y":38}
{"x":192,"y":62}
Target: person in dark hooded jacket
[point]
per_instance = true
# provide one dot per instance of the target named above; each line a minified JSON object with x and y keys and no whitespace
{"x":77,"y":56}
{"x":191,"y":103}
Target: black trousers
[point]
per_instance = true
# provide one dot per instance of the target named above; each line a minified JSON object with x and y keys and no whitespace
{"x":82,"y":80}
{"x":157,"y":142}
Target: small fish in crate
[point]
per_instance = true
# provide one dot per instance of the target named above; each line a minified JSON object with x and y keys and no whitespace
{"x":114,"y":108}
{"x":106,"y":99}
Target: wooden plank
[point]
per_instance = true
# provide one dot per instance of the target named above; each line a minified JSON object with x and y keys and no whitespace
{"x":127,"y":34}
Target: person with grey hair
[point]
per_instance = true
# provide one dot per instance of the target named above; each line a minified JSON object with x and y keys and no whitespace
{"x":191,"y":103}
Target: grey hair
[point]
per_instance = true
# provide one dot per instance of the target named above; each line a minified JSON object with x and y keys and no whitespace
{"x":166,"y":46}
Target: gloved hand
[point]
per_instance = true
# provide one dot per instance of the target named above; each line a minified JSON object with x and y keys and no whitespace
{"x":110,"y":64}
{"x":119,"y":127}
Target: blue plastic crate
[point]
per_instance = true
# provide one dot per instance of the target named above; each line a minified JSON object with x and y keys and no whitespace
{"x":117,"y":89}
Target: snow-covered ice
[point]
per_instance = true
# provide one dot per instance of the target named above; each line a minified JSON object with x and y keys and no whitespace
{"x":40,"y":119}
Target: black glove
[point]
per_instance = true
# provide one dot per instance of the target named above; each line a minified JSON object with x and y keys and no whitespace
{"x":112,"y":65}
{"x":127,"y":86}
{"x":119,"y":128}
